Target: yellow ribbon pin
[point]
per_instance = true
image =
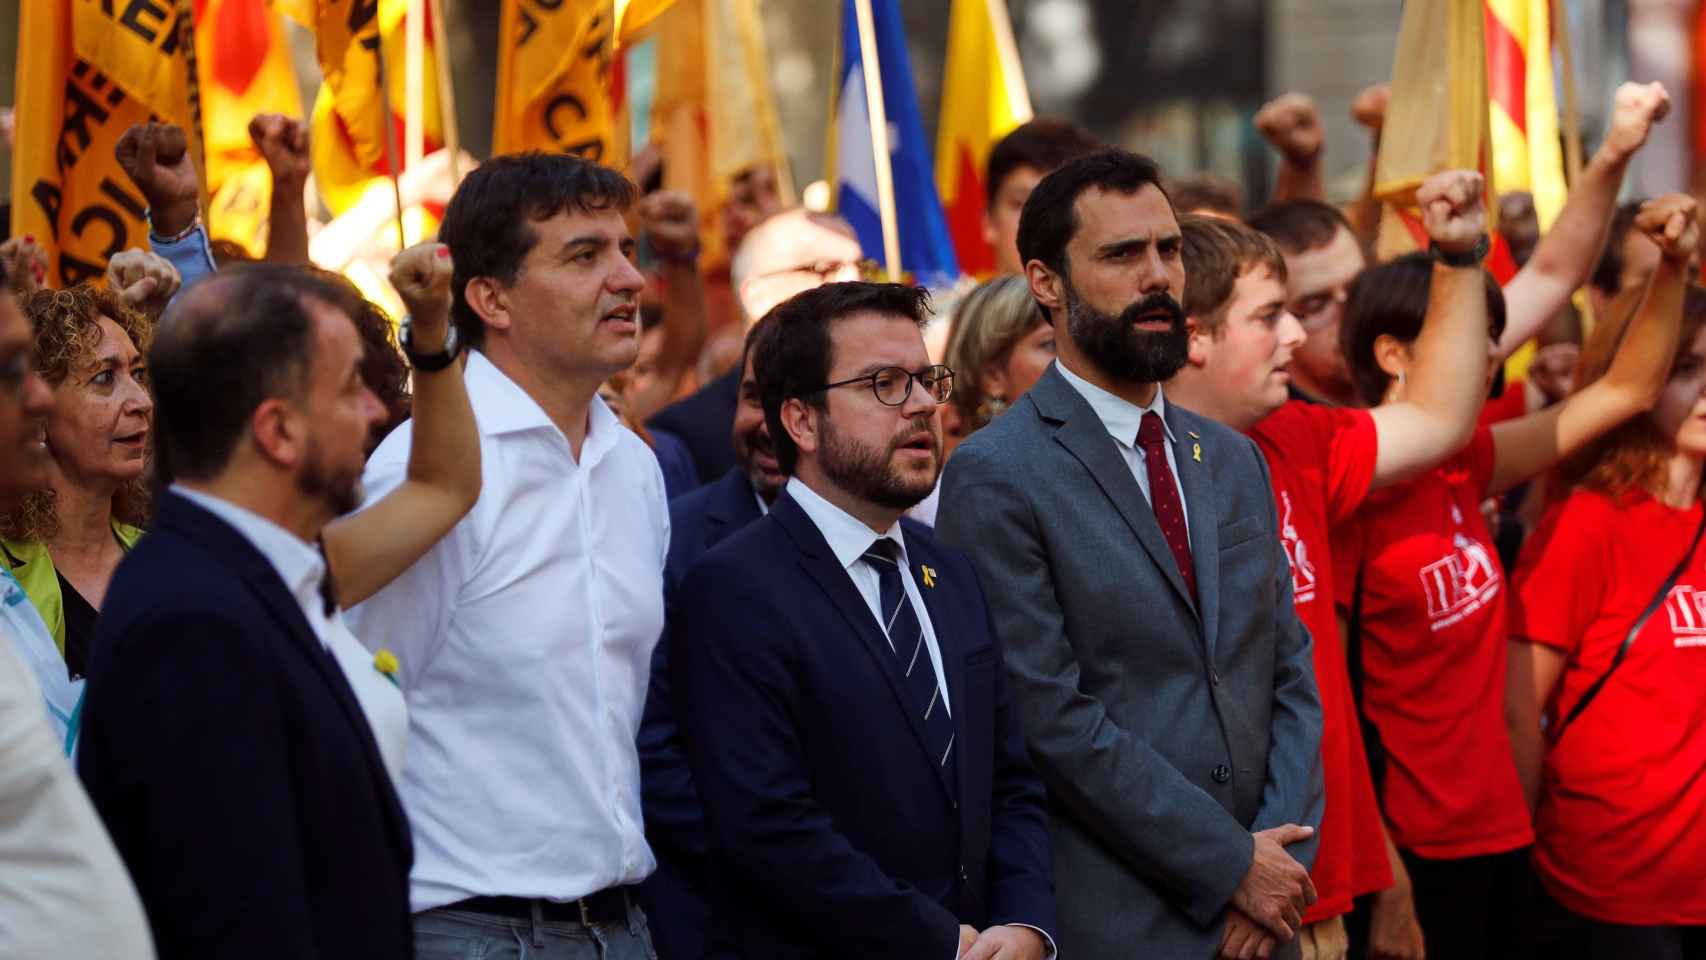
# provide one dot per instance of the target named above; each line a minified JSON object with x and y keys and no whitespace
{"x":1196,"y":452}
{"x":929,"y":575}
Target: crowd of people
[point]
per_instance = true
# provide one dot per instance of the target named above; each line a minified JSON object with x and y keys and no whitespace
{"x":1150,"y":598}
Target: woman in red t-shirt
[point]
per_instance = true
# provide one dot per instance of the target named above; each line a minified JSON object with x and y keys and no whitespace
{"x":1618,"y":764}
{"x":1425,"y":591}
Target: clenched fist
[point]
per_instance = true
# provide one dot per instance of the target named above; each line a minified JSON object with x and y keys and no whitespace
{"x":1292,"y":125}
{"x":1634,"y":111}
{"x":156,"y":157}
{"x":670,"y":221}
{"x":25,"y":263}
{"x":1452,"y":209}
{"x":145,"y":281}
{"x":283,"y":142}
{"x":1369,"y":108}
{"x":1671,"y":222}
{"x":421,"y":275}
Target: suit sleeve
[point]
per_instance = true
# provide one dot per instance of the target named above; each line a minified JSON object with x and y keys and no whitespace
{"x":1021,"y":877}
{"x":1295,"y":792}
{"x":185,"y":759}
{"x":1109,"y":780}
{"x":674,"y":818}
{"x":736,"y":698}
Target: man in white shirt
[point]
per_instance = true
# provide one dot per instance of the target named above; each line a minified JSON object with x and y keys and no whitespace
{"x":525,"y":635}
{"x":222,"y":744}
{"x":64,"y":892}
{"x":837,"y":682}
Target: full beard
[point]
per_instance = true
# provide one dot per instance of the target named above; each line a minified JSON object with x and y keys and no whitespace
{"x":1117,"y":348}
{"x":339,"y":488}
{"x":870,"y":474}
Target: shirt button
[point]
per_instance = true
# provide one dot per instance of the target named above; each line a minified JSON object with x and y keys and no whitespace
{"x":1222,"y":773}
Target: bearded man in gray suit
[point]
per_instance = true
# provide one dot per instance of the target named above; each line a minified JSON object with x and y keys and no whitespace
{"x":1134,"y":571}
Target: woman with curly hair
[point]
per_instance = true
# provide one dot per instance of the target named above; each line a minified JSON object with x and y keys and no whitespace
{"x":999,"y":347}
{"x":63,"y":543}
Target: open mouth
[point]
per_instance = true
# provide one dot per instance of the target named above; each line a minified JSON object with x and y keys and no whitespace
{"x":918,"y":443}
{"x":1154,"y":320}
{"x":132,"y":439}
{"x":623,"y":318}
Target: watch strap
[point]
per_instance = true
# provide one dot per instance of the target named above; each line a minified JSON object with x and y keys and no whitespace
{"x":1466,"y":258}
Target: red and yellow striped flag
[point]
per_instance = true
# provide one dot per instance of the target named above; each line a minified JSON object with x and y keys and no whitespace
{"x":983,"y":98}
{"x":1523,"y":108}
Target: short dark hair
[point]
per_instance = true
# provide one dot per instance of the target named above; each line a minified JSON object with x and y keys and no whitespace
{"x":1392,"y":300}
{"x":1043,"y":144}
{"x":1206,"y":191}
{"x":1049,"y":219}
{"x":489,"y":223}
{"x":794,"y":358}
{"x":1300,"y":225}
{"x":222,"y":349}
{"x":1608,"y":272}
{"x":1216,"y":253}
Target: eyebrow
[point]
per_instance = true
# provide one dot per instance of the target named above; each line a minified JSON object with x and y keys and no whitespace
{"x":1135,"y":244}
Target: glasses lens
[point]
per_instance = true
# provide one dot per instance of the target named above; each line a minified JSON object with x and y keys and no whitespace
{"x":892,"y":384}
{"x":940,"y":382}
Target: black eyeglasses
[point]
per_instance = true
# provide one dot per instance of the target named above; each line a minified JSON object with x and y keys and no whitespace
{"x":893,"y":385}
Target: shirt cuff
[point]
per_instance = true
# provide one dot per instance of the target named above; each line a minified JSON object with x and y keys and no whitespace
{"x":1051,"y":953}
{"x":190,"y":254}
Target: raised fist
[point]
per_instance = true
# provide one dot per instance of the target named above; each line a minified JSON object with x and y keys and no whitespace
{"x":670,"y":222}
{"x":1452,"y":210}
{"x":156,"y":157}
{"x":421,"y":275}
{"x":25,"y":263}
{"x":283,"y":141}
{"x":1369,"y":108}
{"x":1634,"y":111}
{"x":1671,"y":222}
{"x":146,"y":281}
{"x":1292,"y":125}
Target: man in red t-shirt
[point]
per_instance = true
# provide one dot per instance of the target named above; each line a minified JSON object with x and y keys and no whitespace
{"x":1324,"y":461}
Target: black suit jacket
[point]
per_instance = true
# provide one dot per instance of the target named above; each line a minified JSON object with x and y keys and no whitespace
{"x":231,"y":762}
{"x":705,"y":420}
{"x":834,"y":830}
{"x":676,"y":895}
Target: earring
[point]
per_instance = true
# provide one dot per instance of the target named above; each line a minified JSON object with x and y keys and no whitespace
{"x":992,"y":407}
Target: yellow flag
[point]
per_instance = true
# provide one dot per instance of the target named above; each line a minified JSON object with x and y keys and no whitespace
{"x":135,"y":44}
{"x":243,"y":60}
{"x":67,"y":191}
{"x":346,"y":36}
{"x":983,"y":98}
{"x":557,"y":88}
{"x":1522,"y":107}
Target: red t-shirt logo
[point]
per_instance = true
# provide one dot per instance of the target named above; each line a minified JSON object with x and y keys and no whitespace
{"x":1687,"y":609}
{"x":1296,"y":554}
{"x":1459,"y":583}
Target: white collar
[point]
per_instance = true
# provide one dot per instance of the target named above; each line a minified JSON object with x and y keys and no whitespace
{"x":1120,"y":416}
{"x":502,"y":406}
{"x":848,"y":536}
{"x":297,"y":562}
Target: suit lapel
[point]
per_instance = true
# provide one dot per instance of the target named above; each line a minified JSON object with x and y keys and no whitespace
{"x":1203,"y":518}
{"x":733,"y":505}
{"x":921,"y":555}
{"x":832,"y":577}
{"x":1083,"y":434}
{"x":235,"y":551}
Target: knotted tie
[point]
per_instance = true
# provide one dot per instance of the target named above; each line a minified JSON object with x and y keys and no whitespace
{"x":906,"y":638}
{"x":1164,"y":497}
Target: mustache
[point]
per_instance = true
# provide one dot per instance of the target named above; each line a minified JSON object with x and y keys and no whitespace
{"x":921,"y":423}
{"x":1162,"y":301}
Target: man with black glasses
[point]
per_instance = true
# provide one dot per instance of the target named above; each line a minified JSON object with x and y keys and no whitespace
{"x":837,"y":681}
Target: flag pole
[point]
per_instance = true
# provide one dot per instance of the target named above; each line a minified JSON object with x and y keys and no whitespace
{"x":879,"y":136}
{"x":414,"y":83}
{"x":1572,"y":119}
{"x":390,"y":140}
{"x":197,"y":142}
{"x":446,"y":90}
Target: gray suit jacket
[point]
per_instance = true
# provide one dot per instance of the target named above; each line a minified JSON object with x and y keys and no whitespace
{"x":1165,"y":736}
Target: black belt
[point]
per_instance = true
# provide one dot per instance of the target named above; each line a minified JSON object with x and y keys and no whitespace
{"x":606,"y":906}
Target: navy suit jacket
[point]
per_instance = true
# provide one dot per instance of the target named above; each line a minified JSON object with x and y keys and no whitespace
{"x":232,"y":764}
{"x":675,"y":896}
{"x":705,"y":420}
{"x":833,"y":829}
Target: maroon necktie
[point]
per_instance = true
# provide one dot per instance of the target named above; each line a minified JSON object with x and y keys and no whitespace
{"x":1164,"y":497}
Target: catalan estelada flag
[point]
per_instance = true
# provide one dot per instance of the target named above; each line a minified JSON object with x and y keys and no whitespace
{"x":983,"y":98}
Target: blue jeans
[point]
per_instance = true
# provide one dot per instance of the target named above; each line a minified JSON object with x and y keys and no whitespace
{"x":461,"y":935}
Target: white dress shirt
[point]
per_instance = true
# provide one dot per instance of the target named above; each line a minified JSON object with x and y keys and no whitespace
{"x":1122,"y":418}
{"x":65,"y":892}
{"x":300,"y":565}
{"x":849,"y":538}
{"x":525,"y":639}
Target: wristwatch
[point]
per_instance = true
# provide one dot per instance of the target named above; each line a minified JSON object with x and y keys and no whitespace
{"x":428,"y":362}
{"x":1468,"y":258}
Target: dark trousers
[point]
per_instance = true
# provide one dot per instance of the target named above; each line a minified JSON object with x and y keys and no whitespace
{"x":1571,"y":936}
{"x":1474,"y":908}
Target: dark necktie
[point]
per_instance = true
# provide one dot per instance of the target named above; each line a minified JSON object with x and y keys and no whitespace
{"x":906,"y":637}
{"x":1164,"y":497}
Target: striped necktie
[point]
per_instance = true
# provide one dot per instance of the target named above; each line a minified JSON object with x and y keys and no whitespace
{"x":906,"y":639}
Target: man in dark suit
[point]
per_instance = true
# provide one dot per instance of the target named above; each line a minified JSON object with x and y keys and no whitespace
{"x":1143,"y":599}
{"x":837,"y":679}
{"x":675,"y":896}
{"x":222,"y":744}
